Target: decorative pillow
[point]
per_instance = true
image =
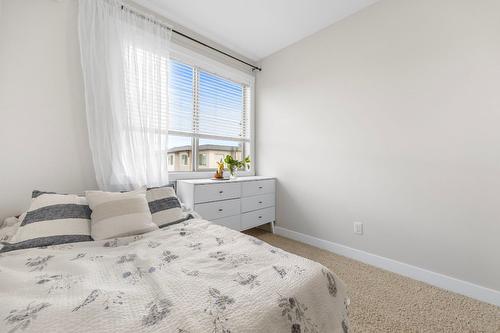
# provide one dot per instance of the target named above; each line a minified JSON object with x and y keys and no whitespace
{"x":52,"y":219}
{"x":117,"y":214}
{"x":164,"y":206}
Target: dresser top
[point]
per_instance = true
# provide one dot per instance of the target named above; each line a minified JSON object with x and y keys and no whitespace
{"x":215,"y":181}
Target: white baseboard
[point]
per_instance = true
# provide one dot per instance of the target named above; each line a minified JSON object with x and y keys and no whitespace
{"x":436,"y":279}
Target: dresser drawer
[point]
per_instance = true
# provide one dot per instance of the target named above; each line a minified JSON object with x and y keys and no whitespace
{"x":257,"y":202}
{"x":257,"y":187}
{"x":218,"y":209}
{"x":258,"y":217}
{"x":231,"y":222}
{"x":213,"y":192}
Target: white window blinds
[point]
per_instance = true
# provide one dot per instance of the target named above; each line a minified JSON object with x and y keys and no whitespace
{"x":220,"y":106}
{"x":206,"y":105}
{"x":181,"y":97}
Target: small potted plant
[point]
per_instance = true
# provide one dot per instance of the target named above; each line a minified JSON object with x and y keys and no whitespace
{"x":234,"y":165}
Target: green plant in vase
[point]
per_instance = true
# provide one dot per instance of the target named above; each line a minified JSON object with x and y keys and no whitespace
{"x":234,"y":165}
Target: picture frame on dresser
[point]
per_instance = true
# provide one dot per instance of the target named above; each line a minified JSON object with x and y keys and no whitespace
{"x":240,"y":204}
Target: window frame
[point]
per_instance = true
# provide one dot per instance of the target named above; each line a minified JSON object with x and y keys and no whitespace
{"x":203,"y":63}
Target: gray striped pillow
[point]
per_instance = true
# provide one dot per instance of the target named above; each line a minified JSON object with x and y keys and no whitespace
{"x":117,"y":214}
{"x":165,"y":207}
{"x":52,"y":219}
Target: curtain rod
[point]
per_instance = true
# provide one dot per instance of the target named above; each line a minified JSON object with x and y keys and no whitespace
{"x":190,"y":38}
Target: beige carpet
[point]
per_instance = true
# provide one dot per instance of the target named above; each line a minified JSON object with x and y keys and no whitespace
{"x":382,"y":301}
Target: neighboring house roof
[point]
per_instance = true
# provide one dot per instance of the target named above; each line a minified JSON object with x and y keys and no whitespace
{"x":204,"y":147}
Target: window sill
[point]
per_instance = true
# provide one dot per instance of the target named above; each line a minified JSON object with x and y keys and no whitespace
{"x":173,"y":176}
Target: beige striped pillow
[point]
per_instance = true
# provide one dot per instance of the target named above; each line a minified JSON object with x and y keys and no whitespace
{"x":119,"y":214}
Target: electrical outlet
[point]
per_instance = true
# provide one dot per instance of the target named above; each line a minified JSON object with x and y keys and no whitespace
{"x":358,"y":228}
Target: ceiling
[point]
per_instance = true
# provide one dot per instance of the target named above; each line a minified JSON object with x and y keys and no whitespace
{"x":256,"y":28}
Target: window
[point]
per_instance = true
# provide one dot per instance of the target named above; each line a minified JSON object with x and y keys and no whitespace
{"x":209,"y":114}
{"x":179,"y":150}
{"x":217,"y":150}
{"x":202,"y":160}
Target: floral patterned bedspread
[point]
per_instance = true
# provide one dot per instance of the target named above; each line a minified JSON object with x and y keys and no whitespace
{"x":191,"y":277}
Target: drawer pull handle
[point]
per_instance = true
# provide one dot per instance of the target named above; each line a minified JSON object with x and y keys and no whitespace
{"x":260,"y":202}
{"x":220,"y":209}
{"x":260,"y":217}
{"x":221,"y":192}
{"x":260,"y":187}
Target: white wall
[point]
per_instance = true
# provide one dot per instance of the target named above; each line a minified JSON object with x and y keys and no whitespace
{"x":43,"y":133}
{"x":391,"y":117}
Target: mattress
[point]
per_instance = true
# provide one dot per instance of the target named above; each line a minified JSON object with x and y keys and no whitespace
{"x":190,"y":277}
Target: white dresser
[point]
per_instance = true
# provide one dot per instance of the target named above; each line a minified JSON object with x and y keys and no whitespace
{"x":239,"y":204}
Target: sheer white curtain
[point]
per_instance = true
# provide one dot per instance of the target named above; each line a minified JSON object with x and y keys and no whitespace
{"x":125,"y":70}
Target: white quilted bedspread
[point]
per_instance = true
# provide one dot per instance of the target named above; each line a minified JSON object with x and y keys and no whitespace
{"x":190,"y":277}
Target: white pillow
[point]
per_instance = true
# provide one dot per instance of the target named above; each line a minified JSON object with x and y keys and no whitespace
{"x":117,"y":214}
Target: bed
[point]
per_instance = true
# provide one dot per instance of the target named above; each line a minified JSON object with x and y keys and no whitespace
{"x":194,"y":276}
